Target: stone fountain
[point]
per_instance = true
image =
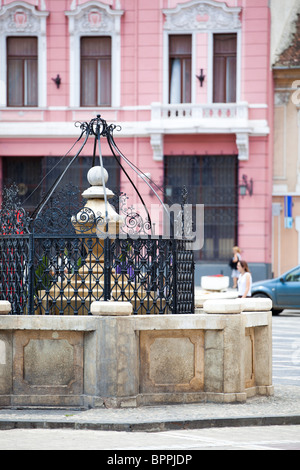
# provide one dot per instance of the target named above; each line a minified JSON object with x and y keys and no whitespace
{"x":220,"y":353}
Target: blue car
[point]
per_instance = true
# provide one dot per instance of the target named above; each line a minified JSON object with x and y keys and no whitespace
{"x":284,"y":291}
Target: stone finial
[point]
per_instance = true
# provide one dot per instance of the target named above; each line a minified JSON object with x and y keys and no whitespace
{"x":111,"y":308}
{"x":5,"y":307}
{"x":96,"y":176}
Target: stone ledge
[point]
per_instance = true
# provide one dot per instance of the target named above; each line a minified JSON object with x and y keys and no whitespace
{"x":236,"y":306}
{"x":86,"y":323}
{"x":90,"y":323}
{"x":222,"y":306}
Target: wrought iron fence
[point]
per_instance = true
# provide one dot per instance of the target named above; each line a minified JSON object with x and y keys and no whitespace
{"x":47,"y":268}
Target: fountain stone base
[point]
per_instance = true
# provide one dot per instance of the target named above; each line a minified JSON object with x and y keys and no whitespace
{"x":120,"y":360}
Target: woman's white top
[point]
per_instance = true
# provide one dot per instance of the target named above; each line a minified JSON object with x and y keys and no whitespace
{"x":242,"y":284}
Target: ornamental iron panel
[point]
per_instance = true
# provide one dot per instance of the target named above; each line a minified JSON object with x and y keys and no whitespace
{"x":59,"y":260}
{"x":48,"y":268}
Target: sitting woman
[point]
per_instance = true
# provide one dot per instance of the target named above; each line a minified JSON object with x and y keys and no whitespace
{"x":245,"y":280}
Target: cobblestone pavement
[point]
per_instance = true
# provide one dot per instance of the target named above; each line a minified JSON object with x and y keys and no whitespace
{"x":282,"y":408}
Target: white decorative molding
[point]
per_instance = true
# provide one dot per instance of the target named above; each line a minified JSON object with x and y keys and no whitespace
{"x":157,"y":144}
{"x":94,"y":19}
{"x":242,"y":142}
{"x":23,"y":19}
{"x":73,"y":5}
{"x":202,"y":15}
{"x":129,"y":128}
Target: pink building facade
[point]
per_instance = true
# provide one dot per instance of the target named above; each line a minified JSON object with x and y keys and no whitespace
{"x":189,"y":83}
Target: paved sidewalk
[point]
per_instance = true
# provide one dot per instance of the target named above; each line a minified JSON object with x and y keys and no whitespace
{"x":281,"y":409}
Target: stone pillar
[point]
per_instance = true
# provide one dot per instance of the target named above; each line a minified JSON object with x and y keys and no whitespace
{"x":263,"y":357}
{"x":234,"y":358}
{"x":6,"y":343}
{"x":6,"y":367}
{"x":117,"y":345}
{"x":238,"y":358}
{"x":118,"y":362}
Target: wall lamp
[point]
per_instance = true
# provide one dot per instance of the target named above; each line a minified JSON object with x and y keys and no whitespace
{"x":246,"y":186}
{"x":201,"y":77}
{"x":57,"y":80}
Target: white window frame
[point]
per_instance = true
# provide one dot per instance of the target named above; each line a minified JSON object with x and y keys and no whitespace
{"x":183,"y":20}
{"x":210,"y":69}
{"x":35,"y":26}
{"x":108,"y":24}
{"x":166,"y":60}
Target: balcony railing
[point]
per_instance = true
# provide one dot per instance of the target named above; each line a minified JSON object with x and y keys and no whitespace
{"x":220,"y":111}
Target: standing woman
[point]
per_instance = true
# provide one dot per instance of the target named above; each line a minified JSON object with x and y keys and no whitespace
{"x":233,"y":264}
{"x":245,"y":280}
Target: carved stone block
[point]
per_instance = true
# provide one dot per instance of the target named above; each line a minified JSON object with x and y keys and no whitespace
{"x":171,"y":361}
{"x":48,"y":362}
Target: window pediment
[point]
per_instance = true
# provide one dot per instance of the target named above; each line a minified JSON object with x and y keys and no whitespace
{"x":202,"y":15}
{"x":94,"y":17}
{"x":20,"y":17}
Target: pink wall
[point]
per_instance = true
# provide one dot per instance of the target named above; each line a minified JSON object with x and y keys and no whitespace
{"x":255,"y":213}
{"x":142,"y":84}
{"x":58,"y":53}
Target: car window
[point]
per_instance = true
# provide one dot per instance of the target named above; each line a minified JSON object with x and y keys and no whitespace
{"x":293,"y":276}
